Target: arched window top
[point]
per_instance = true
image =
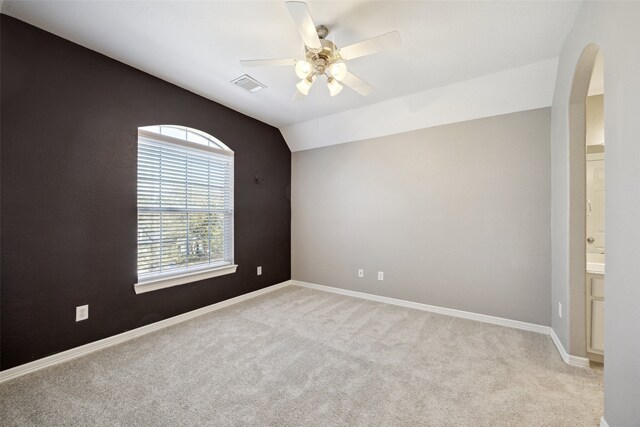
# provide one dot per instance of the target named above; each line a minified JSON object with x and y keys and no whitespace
{"x":185,"y":207}
{"x":187,"y":134}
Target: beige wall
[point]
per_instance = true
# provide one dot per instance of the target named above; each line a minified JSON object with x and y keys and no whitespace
{"x":595,"y":119}
{"x":456,"y":216}
{"x":613,"y":27}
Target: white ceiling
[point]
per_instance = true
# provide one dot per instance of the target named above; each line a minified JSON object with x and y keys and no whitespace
{"x":197,"y":45}
{"x":519,"y":89}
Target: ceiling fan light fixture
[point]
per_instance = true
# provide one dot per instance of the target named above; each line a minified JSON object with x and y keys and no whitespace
{"x":322,"y":57}
{"x":305,"y":84}
{"x":338,"y":70}
{"x":303,"y":69}
{"x":334,"y":86}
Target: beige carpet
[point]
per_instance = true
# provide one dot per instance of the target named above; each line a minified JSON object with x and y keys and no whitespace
{"x":299,"y":357}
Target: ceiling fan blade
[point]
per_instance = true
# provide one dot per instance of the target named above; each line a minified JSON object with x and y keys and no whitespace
{"x":372,"y":45}
{"x":357,"y":84}
{"x":267,"y":62}
{"x":300,"y":14}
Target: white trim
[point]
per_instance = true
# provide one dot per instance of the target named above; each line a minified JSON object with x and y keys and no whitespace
{"x":603,"y":422}
{"x":581,"y":362}
{"x":155,"y":283}
{"x":76,"y":352}
{"x":431,"y":308}
{"x":73,"y":353}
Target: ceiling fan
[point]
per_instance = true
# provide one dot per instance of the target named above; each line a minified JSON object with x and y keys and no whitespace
{"x":323,"y":58}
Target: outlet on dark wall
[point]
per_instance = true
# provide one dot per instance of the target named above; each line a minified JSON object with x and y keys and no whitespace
{"x":69,"y":119}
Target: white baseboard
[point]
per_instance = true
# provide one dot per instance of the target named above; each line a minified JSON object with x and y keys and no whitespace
{"x":431,"y":308}
{"x":581,"y":362}
{"x":603,"y":422}
{"x":76,"y":352}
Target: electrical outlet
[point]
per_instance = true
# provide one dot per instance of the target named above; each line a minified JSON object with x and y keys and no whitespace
{"x":360,"y":272}
{"x":82,"y":312}
{"x":560,"y":309}
{"x":380,"y":275}
{"x":259,"y":270}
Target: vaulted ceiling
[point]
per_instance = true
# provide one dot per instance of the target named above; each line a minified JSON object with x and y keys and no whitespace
{"x":198,"y":45}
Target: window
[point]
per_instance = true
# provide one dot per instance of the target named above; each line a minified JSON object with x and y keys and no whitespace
{"x":185,"y":207}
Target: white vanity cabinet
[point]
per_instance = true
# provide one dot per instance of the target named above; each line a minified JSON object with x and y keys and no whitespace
{"x":595,"y":313}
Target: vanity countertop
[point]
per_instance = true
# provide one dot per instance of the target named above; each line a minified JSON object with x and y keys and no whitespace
{"x":595,"y":267}
{"x":595,"y":263}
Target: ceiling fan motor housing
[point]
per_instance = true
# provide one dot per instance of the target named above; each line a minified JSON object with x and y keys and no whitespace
{"x":322,"y":59}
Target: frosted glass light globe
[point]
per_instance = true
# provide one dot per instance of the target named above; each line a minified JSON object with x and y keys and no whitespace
{"x":334,"y":87}
{"x":303,"y":69}
{"x":338,"y":70}
{"x":305,"y":84}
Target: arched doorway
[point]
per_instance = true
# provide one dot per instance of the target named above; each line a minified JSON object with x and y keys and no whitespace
{"x":577,"y":197}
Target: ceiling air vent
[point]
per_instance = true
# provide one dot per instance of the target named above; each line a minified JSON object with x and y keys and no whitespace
{"x":249,"y":83}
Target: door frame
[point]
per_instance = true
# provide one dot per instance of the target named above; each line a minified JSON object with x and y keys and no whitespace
{"x":577,"y":337}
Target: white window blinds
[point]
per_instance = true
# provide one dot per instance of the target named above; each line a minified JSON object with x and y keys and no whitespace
{"x":185,"y":203}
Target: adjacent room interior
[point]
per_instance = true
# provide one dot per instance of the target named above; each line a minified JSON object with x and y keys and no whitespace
{"x":320,"y":213}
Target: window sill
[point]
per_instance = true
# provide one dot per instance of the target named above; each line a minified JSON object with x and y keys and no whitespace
{"x":153,"y":284}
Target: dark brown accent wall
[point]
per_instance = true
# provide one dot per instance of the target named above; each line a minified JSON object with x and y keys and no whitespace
{"x":69,"y":119}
